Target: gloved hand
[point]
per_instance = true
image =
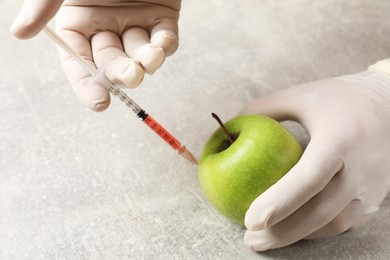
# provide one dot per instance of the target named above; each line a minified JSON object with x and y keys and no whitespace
{"x":343,"y":175}
{"x":125,"y":37}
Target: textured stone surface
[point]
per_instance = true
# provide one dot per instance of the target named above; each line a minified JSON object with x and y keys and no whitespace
{"x":81,"y":185}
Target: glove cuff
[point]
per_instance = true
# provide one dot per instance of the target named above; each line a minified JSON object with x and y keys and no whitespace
{"x":372,"y":83}
{"x":382,"y":66}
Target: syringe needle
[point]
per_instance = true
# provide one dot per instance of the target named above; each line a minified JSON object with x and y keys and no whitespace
{"x":189,"y":156}
{"x":123,"y":97}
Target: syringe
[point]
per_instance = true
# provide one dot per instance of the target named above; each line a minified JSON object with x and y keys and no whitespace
{"x":123,"y":97}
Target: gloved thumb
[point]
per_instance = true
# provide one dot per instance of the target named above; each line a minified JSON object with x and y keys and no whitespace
{"x":33,"y":16}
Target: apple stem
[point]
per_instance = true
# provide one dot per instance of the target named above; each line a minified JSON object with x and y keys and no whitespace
{"x":223,"y":127}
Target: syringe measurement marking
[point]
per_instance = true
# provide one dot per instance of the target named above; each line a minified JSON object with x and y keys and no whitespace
{"x":148,"y":120}
{"x":163,"y":133}
{"x":125,"y":99}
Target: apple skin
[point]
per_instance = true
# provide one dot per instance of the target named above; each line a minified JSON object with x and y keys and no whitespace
{"x":233,"y":176}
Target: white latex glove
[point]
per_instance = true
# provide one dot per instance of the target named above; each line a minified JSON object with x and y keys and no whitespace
{"x":344,"y":173}
{"x":125,"y":37}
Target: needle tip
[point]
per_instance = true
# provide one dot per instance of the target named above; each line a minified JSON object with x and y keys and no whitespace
{"x":189,"y":156}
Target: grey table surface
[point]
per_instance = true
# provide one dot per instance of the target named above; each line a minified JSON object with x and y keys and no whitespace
{"x":75,"y":184}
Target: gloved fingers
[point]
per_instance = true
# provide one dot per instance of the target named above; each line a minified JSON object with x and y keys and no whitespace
{"x":351,"y":217}
{"x":317,"y":166}
{"x":314,"y":214}
{"x":91,"y":94}
{"x":137,"y":45}
{"x":118,"y":67}
{"x":165,"y":35}
{"x":33,"y":16}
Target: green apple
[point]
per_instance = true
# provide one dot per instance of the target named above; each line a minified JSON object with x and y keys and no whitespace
{"x":233,"y":175}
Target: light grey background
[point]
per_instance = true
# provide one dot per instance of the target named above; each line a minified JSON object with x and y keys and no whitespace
{"x":81,"y":185}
